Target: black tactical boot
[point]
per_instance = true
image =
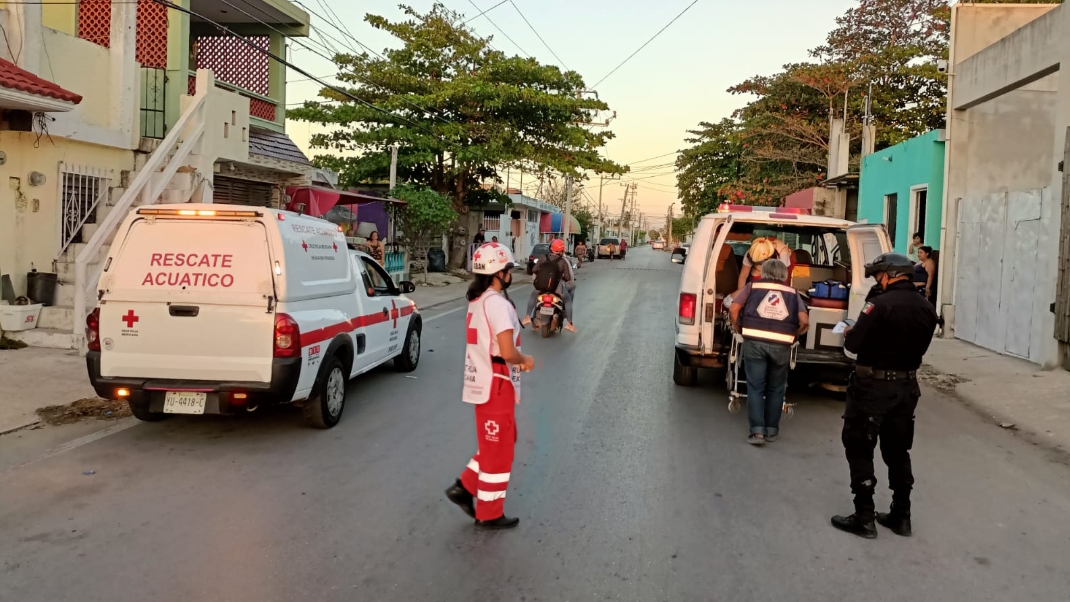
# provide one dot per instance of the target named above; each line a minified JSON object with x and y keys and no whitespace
{"x":460,"y":496}
{"x":898,"y":522}
{"x":502,"y":522}
{"x":854,"y":524}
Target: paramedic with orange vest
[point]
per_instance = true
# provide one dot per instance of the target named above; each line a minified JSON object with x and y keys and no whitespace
{"x":492,"y":367}
{"x":769,"y":315}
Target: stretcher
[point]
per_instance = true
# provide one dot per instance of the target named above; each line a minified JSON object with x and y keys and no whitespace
{"x":736,"y":376}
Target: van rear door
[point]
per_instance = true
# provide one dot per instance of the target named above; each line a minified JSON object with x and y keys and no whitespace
{"x":709,"y":292}
{"x":189,"y":298}
{"x":867,"y":242}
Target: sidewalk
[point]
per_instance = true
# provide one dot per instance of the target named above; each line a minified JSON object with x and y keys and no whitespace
{"x":430,"y":296}
{"x":1013,"y":393}
{"x":33,"y":378}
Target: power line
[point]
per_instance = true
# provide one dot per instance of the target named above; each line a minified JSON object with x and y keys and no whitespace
{"x":487,"y":17}
{"x":645,"y":44}
{"x":465,"y":22}
{"x":652,"y":158}
{"x":538,"y":36}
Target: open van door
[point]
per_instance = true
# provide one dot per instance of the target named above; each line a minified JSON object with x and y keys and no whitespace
{"x":867,"y":242}
{"x":709,"y":290}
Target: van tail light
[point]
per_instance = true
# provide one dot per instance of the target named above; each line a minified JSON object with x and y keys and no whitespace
{"x":688,"y":301}
{"x":92,"y":330}
{"x":287,"y":337}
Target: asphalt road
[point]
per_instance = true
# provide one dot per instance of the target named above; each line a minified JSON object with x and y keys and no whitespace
{"x":628,"y":488}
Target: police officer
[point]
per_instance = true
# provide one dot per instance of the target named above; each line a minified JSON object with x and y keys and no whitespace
{"x":892,"y":334}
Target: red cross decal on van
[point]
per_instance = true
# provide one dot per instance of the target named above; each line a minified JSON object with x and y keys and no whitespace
{"x":394,"y":313}
{"x":130,"y":318}
{"x":304,"y":245}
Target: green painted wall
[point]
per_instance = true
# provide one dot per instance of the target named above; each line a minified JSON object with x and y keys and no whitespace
{"x":899,"y":170}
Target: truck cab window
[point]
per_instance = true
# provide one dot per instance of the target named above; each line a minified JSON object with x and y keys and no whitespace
{"x":380,"y":281}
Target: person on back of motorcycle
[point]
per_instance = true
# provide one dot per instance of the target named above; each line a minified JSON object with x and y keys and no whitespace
{"x":553,"y":275}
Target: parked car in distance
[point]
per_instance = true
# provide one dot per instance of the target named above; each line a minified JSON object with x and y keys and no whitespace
{"x":658,"y":245}
{"x":608,"y":247}
{"x":538,"y":253}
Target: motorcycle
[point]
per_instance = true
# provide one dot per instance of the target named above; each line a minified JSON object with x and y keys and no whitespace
{"x":549,"y":314}
{"x":590,"y":254}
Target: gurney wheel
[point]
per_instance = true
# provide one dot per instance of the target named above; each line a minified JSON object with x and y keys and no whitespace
{"x":733,"y":405}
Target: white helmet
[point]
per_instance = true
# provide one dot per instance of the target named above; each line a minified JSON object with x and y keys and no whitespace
{"x":491,"y":258}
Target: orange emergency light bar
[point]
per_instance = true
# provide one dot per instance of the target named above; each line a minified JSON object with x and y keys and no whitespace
{"x":198,"y":213}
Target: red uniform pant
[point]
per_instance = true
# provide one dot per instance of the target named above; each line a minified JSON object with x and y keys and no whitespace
{"x":487,"y":474}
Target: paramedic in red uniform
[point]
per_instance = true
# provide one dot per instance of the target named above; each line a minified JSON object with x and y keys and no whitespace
{"x":492,"y":368}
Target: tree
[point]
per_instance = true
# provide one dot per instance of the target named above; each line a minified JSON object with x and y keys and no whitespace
{"x":460,"y":111}
{"x":426,"y":213}
{"x":714,"y":160}
{"x":682,"y":227}
{"x":654,"y":235}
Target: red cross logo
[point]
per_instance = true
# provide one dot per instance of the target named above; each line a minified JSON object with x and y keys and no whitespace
{"x":492,"y":427}
{"x":304,"y":246}
{"x":130,"y":318}
{"x":394,"y":313}
{"x":472,"y":333}
{"x":335,"y":245}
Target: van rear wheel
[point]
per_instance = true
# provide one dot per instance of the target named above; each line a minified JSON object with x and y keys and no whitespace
{"x":140,"y":410}
{"x":324,"y":409}
{"x":684,"y":376}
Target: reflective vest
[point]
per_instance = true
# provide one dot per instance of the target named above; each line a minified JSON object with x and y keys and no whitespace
{"x":771,"y":313}
{"x":479,"y":371}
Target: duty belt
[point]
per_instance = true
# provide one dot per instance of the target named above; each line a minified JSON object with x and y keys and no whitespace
{"x":867,"y":372}
{"x":495,"y":359}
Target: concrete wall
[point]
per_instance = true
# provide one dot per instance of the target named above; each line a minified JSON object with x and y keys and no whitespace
{"x":1008,"y":108}
{"x":30,"y":215}
{"x":901,"y":170}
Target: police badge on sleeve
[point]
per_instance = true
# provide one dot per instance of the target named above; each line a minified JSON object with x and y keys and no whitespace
{"x":773,"y":307}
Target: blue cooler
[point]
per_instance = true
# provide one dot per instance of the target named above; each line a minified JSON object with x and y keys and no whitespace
{"x":829,"y":289}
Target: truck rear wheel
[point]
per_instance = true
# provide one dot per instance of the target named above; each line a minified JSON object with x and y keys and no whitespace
{"x":684,"y":376}
{"x":324,"y":409}
{"x":140,"y":410}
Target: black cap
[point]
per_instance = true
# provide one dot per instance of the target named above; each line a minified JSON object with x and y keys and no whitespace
{"x":893,"y":264}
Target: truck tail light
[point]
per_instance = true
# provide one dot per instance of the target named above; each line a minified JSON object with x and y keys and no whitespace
{"x":92,"y":330}
{"x":688,"y":301}
{"x":287,"y":337}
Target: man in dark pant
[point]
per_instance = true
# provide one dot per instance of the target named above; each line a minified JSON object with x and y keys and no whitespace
{"x":769,"y":316}
{"x":893,"y":332}
{"x":884,"y":410}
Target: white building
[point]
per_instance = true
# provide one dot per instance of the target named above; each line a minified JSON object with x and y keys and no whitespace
{"x":1008,"y":114}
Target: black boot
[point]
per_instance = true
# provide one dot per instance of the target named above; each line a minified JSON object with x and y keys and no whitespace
{"x":502,"y":522}
{"x":854,"y":524}
{"x":898,"y":522}
{"x":460,"y":496}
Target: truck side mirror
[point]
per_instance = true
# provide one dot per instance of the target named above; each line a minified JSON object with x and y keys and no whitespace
{"x":406,"y":287}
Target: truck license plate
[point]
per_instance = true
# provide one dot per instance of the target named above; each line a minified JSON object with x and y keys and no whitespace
{"x":183,"y":402}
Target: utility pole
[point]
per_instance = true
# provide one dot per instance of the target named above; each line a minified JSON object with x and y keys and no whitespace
{"x":568,"y":207}
{"x":394,"y":165}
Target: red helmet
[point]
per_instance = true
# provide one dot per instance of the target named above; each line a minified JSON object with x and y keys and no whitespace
{"x":558,"y":246}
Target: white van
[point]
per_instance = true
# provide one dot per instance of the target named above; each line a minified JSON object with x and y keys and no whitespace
{"x":219,"y":309}
{"x":824,"y":249}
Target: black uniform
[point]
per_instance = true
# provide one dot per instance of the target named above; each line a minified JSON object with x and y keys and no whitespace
{"x":892,"y":334}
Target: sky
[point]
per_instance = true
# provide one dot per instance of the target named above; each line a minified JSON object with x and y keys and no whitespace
{"x":677,"y":81}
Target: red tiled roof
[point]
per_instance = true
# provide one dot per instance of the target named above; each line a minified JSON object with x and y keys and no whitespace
{"x":15,"y":78}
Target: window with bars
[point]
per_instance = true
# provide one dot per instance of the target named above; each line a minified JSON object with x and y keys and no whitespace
{"x":492,"y":221}
{"x":82,"y":190}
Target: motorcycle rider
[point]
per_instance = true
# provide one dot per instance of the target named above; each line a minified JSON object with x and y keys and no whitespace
{"x":553,"y":275}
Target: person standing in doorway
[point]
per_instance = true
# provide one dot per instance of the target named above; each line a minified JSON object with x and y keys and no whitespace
{"x":492,"y":368}
{"x":769,"y":315}
{"x":925,"y":273}
{"x":915,"y":245}
{"x":892,"y":334}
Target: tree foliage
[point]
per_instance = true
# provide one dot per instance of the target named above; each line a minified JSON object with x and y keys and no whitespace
{"x":426,"y":213}
{"x":460,"y":111}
